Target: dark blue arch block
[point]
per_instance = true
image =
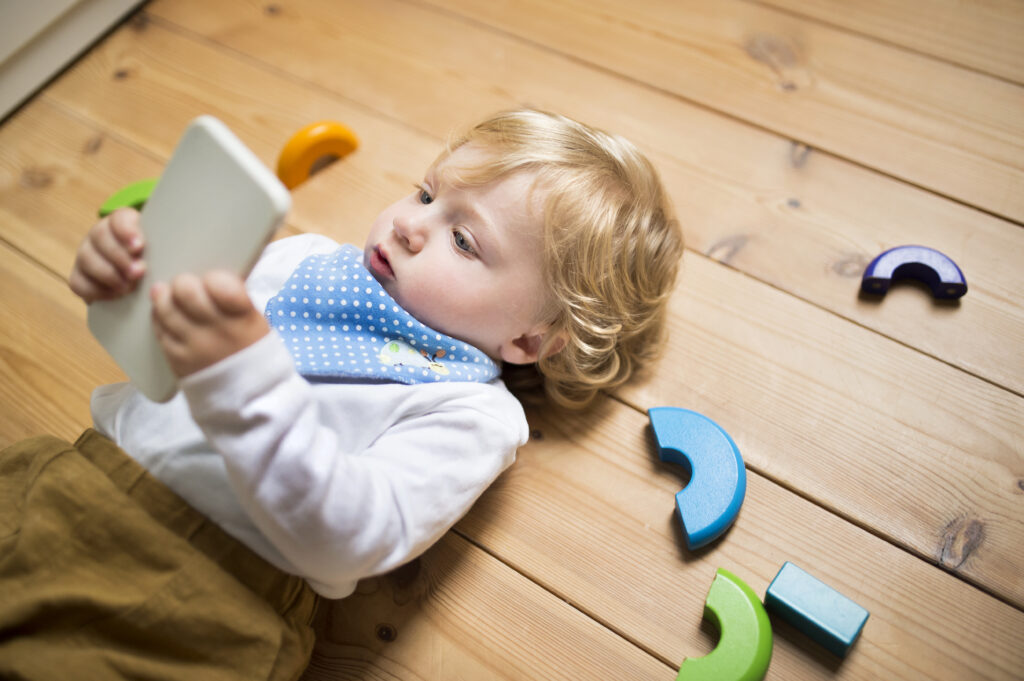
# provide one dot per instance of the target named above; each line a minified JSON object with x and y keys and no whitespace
{"x":927,"y":265}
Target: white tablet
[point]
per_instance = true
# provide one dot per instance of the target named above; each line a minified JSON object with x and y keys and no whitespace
{"x":215,"y":207}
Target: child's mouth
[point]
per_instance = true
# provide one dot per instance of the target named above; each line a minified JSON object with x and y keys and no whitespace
{"x":379,"y":265}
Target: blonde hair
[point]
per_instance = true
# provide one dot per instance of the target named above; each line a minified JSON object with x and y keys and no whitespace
{"x":612,"y":246}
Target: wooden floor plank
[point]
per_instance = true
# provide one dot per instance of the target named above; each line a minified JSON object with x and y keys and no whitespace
{"x":954,"y":131}
{"x":456,"y":612}
{"x":983,"y":35}
{"x":745,"y":196}
{"x":166,"y":69}
{"x":57,"y":170}
{"x":588,"y":511}
{"x":49,"y":363}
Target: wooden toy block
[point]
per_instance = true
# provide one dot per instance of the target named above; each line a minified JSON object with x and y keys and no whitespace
{"x":304,"y":153}
{"x":816,"y":609}
{"x":745,"y":643}
{"x":710,"y":502}
{"x":925,"y":264}
{"x":133,"y":195}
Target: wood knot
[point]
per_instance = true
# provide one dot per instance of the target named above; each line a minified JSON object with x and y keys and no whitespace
{"x":386,"y":632}
{"x":782,"y":56}
{"x":724,"y":250}
{"x":536,"y":434}
{"x":851,"y":265}
{"x":798,"y":153}
{"x":960,"y":539}
{"x":36,"y":178}
{"x":772,"y":50}
{"x":272,"y":10}
{"x":122,"y":74}
{"x":93,"y":144}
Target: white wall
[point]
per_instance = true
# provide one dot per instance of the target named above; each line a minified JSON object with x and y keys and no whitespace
{"x":40,"y":37}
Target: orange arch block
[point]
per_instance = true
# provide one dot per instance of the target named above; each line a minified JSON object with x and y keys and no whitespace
{"x":306,"y":149}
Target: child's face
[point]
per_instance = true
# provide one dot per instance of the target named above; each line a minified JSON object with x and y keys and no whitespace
{"x":467,"y":261}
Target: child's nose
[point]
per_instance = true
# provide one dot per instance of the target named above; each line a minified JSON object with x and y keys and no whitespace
{"x":412,"y":232}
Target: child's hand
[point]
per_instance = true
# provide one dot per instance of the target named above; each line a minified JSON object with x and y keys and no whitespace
{"x":109,"y":260}
{"x":200,"y":321}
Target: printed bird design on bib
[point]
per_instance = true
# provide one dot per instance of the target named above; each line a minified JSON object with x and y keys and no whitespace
{"x":400,"y":353}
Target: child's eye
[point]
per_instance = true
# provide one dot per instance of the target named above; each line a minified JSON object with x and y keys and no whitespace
{"x":461,"y":242}
{"x":425,"y":196}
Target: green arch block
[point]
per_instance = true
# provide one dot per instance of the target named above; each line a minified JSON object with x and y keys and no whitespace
{"x":133,"y":195}
{"x":745,"y":646}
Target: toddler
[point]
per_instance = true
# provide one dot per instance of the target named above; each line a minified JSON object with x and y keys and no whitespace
{"x":341,"y":409}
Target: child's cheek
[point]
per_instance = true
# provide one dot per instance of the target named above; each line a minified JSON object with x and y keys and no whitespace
{"x":437,"y":302}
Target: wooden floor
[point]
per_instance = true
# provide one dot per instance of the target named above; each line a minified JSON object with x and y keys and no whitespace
{"x":799,"y":138}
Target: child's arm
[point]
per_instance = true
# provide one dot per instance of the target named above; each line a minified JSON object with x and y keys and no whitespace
{"x":350,"y":480}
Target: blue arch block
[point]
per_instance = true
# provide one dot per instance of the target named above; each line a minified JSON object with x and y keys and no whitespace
{"x":710,"y":502}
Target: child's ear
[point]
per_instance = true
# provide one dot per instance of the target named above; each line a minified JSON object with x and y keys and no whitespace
{"x":526,"y":348}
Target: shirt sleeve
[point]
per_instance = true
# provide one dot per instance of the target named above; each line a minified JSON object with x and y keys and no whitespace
{"x":350,"y":481}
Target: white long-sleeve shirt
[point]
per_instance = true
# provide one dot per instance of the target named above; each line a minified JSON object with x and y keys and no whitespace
{"x":330,"y":481}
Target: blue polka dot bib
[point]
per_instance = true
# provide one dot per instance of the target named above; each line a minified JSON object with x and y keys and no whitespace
{"x":339,"y":323}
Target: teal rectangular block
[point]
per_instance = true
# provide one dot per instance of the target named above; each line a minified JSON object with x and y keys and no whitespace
{"x":815,"y":608}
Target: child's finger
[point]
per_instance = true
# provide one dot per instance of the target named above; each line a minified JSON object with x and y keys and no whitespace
{"x":107,"y":244}
{"x":227,"y":291}
{"x":190,"y":297}
{"x":167,"y":319}
{"x":124,"y":224}
{"x":168,"y":341}
{"x":84,"y":287}
{"x":98,"y":269}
